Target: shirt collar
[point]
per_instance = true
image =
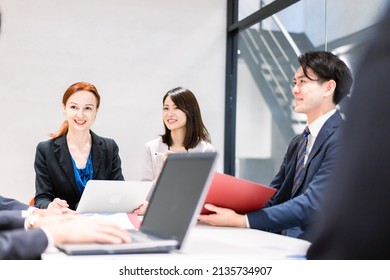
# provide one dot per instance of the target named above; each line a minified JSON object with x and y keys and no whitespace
{"x":316,"y":126}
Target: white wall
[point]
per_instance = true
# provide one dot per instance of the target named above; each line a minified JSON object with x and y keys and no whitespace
{"x":133,"y":51}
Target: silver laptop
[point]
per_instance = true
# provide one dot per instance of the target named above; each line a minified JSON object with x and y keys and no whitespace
{"x":107,"y":196}
{"x":173,"y":208}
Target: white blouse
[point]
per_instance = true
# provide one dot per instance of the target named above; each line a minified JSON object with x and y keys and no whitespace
{"x":152,"y":163}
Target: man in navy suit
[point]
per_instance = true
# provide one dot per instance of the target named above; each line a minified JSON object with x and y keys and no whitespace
{"x":321,"y":81}
{"x":355,"y":220}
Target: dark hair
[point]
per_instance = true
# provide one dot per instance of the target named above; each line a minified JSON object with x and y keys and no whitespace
{"x":328,"y":66}
{"x":196,"y":131}
{"x":68,"y":93}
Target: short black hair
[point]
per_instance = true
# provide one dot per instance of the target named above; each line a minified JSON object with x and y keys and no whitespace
{"x":328,"y":66}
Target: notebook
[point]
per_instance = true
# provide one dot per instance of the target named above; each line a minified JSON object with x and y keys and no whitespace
{"x":108,"y":196}
{"x":173,"y":208}
{"x":237,"y":194}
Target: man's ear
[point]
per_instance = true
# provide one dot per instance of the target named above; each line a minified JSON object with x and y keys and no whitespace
{"x":330,"y":87}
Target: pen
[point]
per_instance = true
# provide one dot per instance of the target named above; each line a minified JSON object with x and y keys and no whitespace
{"x":158,"y":154}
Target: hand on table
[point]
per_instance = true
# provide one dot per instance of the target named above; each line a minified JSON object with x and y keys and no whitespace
{"x":222,"y":217}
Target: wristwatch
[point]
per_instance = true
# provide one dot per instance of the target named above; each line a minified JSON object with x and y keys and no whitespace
{"x":32,"y":220}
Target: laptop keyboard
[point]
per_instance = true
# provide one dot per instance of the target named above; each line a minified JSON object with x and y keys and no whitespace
{"x":139,"y":237}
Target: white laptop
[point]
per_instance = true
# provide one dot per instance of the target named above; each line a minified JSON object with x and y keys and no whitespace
{"x":173,"y":208}
{"x":107,"y":196}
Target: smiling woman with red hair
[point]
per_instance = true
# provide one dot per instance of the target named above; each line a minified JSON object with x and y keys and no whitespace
{"x":74,"y":154}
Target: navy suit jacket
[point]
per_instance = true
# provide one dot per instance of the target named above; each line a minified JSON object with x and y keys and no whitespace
{"x":16,"y":242}
{"x":54,"y":169}
{"x":11,"y":204}
{"x":294,"y":213}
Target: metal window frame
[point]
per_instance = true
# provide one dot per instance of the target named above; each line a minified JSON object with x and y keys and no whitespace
{"x":233,"y":28}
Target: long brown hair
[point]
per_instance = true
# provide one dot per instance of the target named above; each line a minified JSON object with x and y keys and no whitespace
{"x":196,"y":131}
{"x":68,"y":93}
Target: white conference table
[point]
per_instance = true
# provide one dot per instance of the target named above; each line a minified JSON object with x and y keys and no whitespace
{"x":206,"y":242}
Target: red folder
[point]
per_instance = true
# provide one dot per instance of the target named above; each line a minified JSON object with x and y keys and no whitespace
{"x":237,"y":194}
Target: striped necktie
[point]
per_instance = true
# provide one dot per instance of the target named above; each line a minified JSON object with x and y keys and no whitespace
{"x":300,"y":167}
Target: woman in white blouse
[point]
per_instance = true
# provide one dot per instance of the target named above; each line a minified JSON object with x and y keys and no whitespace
{"x":185,"y":132}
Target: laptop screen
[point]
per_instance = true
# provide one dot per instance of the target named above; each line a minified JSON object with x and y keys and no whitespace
{"x":180,"y":189}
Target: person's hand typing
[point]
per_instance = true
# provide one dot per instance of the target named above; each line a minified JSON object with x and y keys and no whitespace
{"x":81,"y":229}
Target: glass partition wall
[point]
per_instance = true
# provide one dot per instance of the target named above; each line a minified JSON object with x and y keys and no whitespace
{"x":262,"y":50}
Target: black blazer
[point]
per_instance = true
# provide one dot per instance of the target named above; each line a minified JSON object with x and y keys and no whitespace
{"x":16,"y":242}
{"x":54,"y":170}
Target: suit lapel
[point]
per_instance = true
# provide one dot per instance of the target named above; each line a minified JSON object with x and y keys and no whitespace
{"x":63,"y":157}
{"x":326,"y":131}
{"x":97,"y":153}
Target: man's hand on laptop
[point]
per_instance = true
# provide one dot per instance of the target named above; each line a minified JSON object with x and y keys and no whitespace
{"x":80,"y":229}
